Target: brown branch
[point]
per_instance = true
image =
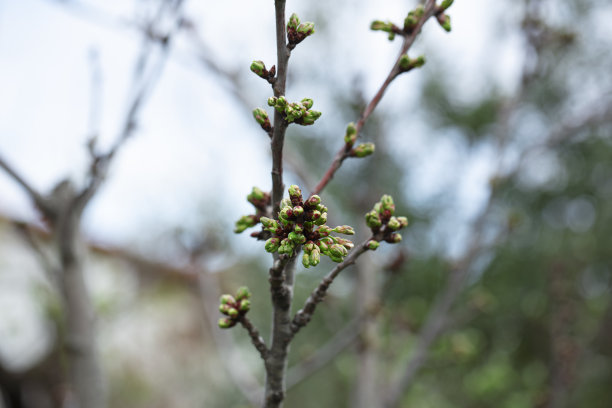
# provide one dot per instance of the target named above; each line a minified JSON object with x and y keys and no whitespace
{"x":303,"y":316}
{"x":39,"y":200}
{"x":256,"y":339}
{"x":409,"y":39}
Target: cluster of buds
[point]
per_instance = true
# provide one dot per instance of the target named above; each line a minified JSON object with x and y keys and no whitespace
{"x":412,"y":19}
{"x":260,"y":200}
{"x":295,"y":112}
{"x":234,"y":307}
{"x":296,"y":32}
{"x":302,"y":224}
{"x":383,"y":223}
{"x":406,"y":63}
{"x":387,"y":27}
{"x":350,"y":137}
{"x":259,"y":68}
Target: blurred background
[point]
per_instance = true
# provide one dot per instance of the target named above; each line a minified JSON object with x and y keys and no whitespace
{"x":499,"y":151}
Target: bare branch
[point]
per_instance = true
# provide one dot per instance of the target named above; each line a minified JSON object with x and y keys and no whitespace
{"x":256,"y":339}
{"x":35,"y":196}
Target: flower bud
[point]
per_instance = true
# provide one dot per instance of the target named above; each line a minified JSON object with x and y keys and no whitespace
{"x":315,"y":215}
{"x":321,"y":220}
{"x":246,"y":221}
{"x":344,"y":229}
{"x":406,"y":63}
{"x":337,"y":250}
{"x":286,"y":247}
{"x":259,"y":68}
{"x":269,"y":224}
{"x":298,"y":210}
{"x":335,"y":258}
{"x":233,"y":312}
{"x":272,"y":101}
{"x":226,"y":323}
{"x":281,"y":104}
{"x":224,"y":308}
{"x":378,"y":25}
{"x":394,"y":224}
{"x":308,"y":247}
{"x":351,"y":134}
{"x":347,"y":243}
{"x":310,"y":117}
{"x":363,"y":150}
{"x":315,"y":257}
{"x":386,"y":202}
{"x":394,"y":238}
{"x":245,"y":305}
{"x":294,"y":22}
{"x":285,"y":202}
{"x":295,"y":192}
{"x":298,"y":228}
{"x":298,"y":239}
{"x":410,"y":21}
{"x":373,"y":219}
{"x":256,"y":196}
{"x":261,"y":116}
{"x":307,"y":103}
{"x":313,"y":201}
{"x":306,"y":29}
{"x":285,"y":213}
{"x":324,"y":230}
{"x":306,"y":260}
{"x":403,"y":221}
{"x":322,"y":208}
{"x":373,"y":245}
{"x":227,"y":300}
{"x":243,"y":293}
{"x":272,"y":244}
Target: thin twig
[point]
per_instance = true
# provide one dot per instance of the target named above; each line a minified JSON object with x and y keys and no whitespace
{"x":343,"y":153}
{"x":256,"y":339}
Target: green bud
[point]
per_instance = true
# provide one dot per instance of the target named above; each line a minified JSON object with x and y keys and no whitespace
{"x":410,"y":21}
{"x":446,"y":4}
{"x":286,"y":247}
{"x":347,"y":243}
{"x":306,"y":260}
{"x":307,"y":103}
{"x":227,"y":300}
{"x":272,"y":244}
{"x":363,"y":150}
{"x":226,"y":323}
{"x":394,"y":224}
{"x":298,"y":210}
{"x":351,"y":134}
{"x":321,"y":220}
{"x":373,"y":219}
{"x":285,"y":213}
{"x":316,"y":214}
{"x":272,"y":101}
{"x":285,"y":202}
{"x":324,"y":230}
{"x":294,"y":22}
{"x":281,"y":104}
{"x":335,"y":258}
{"x":308,"y":247}
{"x":295,"y":192}
{"x":269,"y":224}
{"x":444,"y":21}
{"x":403,"y":221}
{"x":337,"y":251}
{"x":224,"y":308}
{"x":313,"y":201}
{"x":306,"y":29}
{"x":298,"y":228}
{"x":323,"y":245}
{"x":246,"y":221}
{"x":261,"y":116}
{"x":386,"y":203}
{"x":310,"y":117}
{"x":406,"y":63}
{"x":344,"y":229}
{"x":373,"y":245}
{"x":394,"y":238}
{"x":419,"y":11}
{"x":256,"y":195}
{"x":243,"y":293}
{"x":233,"y":312}
{"x":245,"y":305}
{"x":315,"y":257}
{"x":258,"y":67}
{"x":322,"y":208}
{"x":378,"y":25}
{"x":298,"y":239}
{"x":391,"y":36}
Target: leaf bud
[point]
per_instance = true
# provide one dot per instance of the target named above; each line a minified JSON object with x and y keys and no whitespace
{"x":259,"y":68}
{"x":444,"y":21}
{"x":446,"y":4}
{"x":373,"y":245}
{"x":246,"y":221}
{"x":227,"y":300}
{"x":256,"y":195}
{"x":243,"y":293}
{"x":344,"y":229}
{"x":378,"y":25}
{"x":226,"y":323}
{"x":272,"y":244}
{"x":363,"y":150}
{"x":294,"y":22}
{"x":410,"y":21}
{"x":351,"y":134}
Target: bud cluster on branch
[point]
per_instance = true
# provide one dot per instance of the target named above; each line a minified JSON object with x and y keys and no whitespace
{"x":234,"y":307}
{"x":383,"y":223}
